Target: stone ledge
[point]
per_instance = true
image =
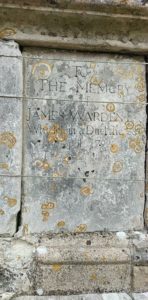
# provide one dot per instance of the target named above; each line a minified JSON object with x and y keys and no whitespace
{"x":78,"y":26}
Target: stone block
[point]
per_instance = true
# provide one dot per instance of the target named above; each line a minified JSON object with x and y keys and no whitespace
{"x":10,"y":195}
{"x":140,"y":278}
{"x":10,"y":70}
{"x":88,"y":248}
{"x":81,"y":205}
{"x":81,"y":278}
{"x":10,"y":136}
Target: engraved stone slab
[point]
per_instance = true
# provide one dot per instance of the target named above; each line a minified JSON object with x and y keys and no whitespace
{"x":79,"y":77}
{"x":10,"y":136}
{"x":73,"y":139}
{"x":10,"y":69}
{"x":84,"y":142}
{"x":10,"y":193}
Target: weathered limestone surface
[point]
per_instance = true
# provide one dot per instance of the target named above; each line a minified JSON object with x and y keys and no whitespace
{"x":103,"y":25}
{"x":61,"y":264}
{"x":140,"y":278}
{"x":84,"y":148}
{"x":10,"y":135}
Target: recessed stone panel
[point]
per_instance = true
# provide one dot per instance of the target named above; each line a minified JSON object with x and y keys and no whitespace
{"x":10,"y":194}
{"x":10,"y":136}
{"x":81,"y":205}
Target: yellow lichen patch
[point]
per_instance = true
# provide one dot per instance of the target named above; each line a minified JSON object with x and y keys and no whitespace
{"x":141,"y":98}
{"x":8,"y":139}
{"x":2,"y":212}
{"x":136,"y":145}
{"x":139,"y":129}
{"x":42,"y":70}
{"x":140,"y":86}
{"x":45,"y":128}
{"x":4,"y":166}
{"x":57,"y":134}
{"x":93,"y":277}
{"x":10,"y":201}
{"x":61,"y":224}
{"x":86,"y":190}
{"x":66,"y":160}
{"x":48,"y":205}
{"x":53,"y":187}
{"x":7,"y":32}
{"x":25,"y":229}
{"x":81,"y":228}
{"x":103,"y":259}
{"x":110,"y":107}
{"x":94,"y":80}
{"x":117,"y":166}
{"x":129,"y":125}
{"x":45,"y":165}
{"x":122,"y":135}
{"x":114,"y":148}
{"x":93,"y":65}
{"x":56,"y":267}
{"x":57,"y":174}
{"x":125,"y":74}
{"x":45,"y":215}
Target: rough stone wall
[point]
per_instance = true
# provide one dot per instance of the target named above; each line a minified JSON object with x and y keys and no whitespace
{"x":37,"y":257}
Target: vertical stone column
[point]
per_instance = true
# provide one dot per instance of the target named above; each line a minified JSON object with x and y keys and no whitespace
{"x":10,"y":135}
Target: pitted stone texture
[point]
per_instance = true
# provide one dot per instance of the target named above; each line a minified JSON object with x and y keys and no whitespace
{"x":10,"y":194}
{"x":142,"y":296}
{"x":59,"y":204}
{"x":140,"y":244}
{"x":140,"y":278}
{"x":109,"y":296}
{"x":82,"y":278}
{"x":98,"y":78}
{"x":10,"y":136}
{"x":94,"y":248}
{"x":10,"y":70}
{"x":16,"y":264}
{"x":89,"y":141}
{"x":10,"y":49}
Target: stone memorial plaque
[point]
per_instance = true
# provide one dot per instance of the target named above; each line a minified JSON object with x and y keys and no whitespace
{"x":10,"y":135}
{"x":84,"y":142}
